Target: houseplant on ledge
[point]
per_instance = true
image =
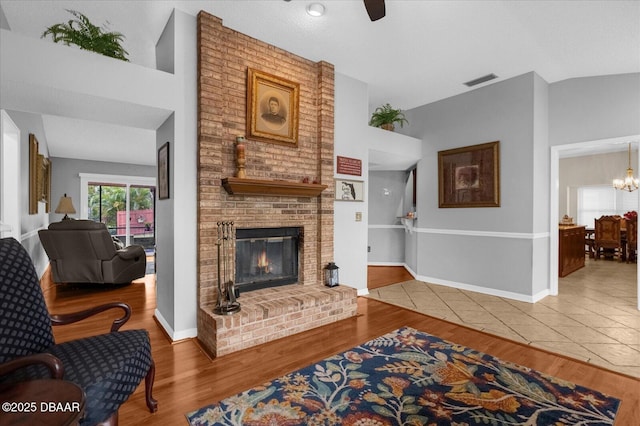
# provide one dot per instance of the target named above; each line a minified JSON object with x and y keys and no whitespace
{"x":81,"y":32}
{"x":386,"y":116}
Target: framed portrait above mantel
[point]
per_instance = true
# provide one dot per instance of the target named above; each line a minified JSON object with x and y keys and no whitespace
{"x":469,"y":176}
{"x":272,"y":108}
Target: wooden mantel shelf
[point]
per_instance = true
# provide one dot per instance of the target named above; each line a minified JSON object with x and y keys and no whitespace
{"x":240,"y":186}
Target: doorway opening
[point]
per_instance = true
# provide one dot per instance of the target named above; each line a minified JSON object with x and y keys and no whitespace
{"x":128,"y":211}
{"x":126,"y":205}
{"x":568,"y":150}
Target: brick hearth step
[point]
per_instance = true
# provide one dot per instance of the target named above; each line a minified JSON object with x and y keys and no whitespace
{"x":273,"y":313}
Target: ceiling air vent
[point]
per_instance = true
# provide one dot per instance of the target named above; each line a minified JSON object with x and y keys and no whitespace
{"x":482,"y":79}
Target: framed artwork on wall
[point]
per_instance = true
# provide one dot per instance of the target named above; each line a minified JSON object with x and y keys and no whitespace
{"x":349,"y":190}
{"x":469,"y":176}
{"x":44,"y":181}
{"x":33,"y":174}
{"x":272,"y":108}
{"x":39,"y":177}
{"x":163,"y":172}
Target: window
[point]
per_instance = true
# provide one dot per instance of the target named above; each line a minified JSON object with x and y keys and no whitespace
{"x":126,"y":204}
{"x":596,"y":201}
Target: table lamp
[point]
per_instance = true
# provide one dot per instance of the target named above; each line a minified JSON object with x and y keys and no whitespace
{"x":65,"y":205}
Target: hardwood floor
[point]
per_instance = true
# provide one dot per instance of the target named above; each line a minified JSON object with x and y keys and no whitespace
{"x":186,"y":379}
{"x":380,"y":276}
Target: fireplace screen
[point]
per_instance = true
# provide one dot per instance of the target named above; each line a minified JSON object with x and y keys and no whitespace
{"x":266,"y":257}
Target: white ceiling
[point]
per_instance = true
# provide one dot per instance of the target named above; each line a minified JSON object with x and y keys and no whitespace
{"x":422,"y":51}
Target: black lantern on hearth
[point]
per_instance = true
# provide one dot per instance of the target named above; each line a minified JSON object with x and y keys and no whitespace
{"x":331,"y":275}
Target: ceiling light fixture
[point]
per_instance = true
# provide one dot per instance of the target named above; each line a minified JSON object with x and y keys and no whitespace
{"x":629,"y":183}
{"x":315,"y":10}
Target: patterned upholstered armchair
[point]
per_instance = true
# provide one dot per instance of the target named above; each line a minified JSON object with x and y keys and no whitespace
{"x":108,"y":367}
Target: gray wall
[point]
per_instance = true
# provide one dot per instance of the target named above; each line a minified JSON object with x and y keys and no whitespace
{"x":165,"y":299}
{"x":502,"y":112}
{"x":65,"y":178}
{"x":164,"y":237}
{"x":540,"y":268}
{"x":4,"y":24}
{"x":385,"y":235}
{"x":488,"y":248}
{"x":30,"y":224}
{"x":470,"y":247}
{"x":594,"y":108}
{"x":389,"y":204}
{"x":165,"y":48}
{"x":177,"y":217}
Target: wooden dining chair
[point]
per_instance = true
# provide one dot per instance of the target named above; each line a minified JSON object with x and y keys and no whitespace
{"x":608,"y":236}
{"x":632,"y":239}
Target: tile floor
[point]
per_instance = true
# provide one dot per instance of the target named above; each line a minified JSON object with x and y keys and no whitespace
{"x":594,"y":318}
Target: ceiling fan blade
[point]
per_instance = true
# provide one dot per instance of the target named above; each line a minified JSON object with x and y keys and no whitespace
{"x":375,"y":9}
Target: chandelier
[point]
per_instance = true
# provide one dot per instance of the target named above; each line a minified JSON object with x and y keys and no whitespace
{"x":629,"y":183}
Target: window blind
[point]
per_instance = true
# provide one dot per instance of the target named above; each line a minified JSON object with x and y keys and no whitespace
{"x":596,"y":201}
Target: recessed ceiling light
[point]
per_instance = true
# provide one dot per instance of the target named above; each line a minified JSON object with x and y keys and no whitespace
{"x":315,"y":9}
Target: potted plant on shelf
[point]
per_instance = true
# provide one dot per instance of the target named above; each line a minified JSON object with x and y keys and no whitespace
{"x":386,"y":116}
{"x":81,"y":32}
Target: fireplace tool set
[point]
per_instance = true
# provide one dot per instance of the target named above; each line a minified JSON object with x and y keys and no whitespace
{"x":226,"y":303}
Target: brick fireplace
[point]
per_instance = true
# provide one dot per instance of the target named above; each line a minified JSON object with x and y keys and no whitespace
{"x":269,"y":313}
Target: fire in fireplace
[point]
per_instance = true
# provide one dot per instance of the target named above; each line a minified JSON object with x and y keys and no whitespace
{"x":266,"y":257}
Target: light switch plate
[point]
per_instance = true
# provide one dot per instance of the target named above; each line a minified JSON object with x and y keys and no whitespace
{"x":358,"y":216}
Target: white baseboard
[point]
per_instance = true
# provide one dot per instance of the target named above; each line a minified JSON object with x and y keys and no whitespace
{"x":541,"y":295}
{"x":385,"y":264}
{"x":484,"y":290}
{"x":411,"y":271}
{"x":470,"y":287}
{"x":363,"y":291}
{"x":174,"y":336}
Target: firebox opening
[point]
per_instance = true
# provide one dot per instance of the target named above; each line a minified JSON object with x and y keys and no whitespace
{"x":266,"y":257}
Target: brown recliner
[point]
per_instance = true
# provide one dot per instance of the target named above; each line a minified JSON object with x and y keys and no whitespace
{"x":82,"y":251}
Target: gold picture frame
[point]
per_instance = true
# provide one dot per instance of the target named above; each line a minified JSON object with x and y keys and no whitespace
{"x":44,"y":182}
{"x":163,"y":172}
{"x":469,"y":176}
{"x":39,"y":177}
{"x":272,"y":108}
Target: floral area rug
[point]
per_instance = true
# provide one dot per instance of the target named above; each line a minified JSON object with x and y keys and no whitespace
{"x":409,"y":377}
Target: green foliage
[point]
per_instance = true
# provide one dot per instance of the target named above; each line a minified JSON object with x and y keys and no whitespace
{"x":114,"y":199}
{"x":82,"y":33}
{"x":386,"y":114}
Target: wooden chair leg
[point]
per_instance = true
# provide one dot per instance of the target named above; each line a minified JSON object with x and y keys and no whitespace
{"x":148,"y":388}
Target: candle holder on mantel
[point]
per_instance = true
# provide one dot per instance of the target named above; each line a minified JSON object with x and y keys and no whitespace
{"x":240,"y":157}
